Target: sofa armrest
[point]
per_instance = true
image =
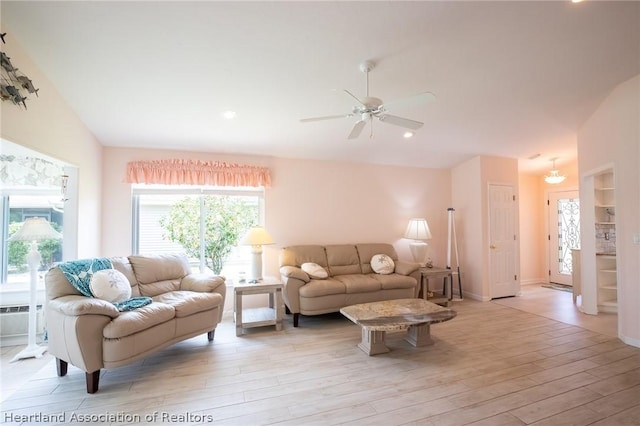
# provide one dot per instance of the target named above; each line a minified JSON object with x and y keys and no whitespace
{"x":291,"y":293}
{"x":81,"y":305}
{"x":406,"y":268}
{"x":204,"y":283}
{"x":294,"y":272}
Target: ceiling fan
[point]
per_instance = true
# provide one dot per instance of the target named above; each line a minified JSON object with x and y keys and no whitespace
{"x":369,"y":108}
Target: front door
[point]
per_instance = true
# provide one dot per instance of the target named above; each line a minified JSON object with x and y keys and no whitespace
{"x":502,"y":211}
{"x":564,"y":234}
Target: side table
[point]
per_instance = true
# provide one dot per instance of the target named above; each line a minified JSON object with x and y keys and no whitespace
{"x":441,"y":298}
{"x":259,"y":317}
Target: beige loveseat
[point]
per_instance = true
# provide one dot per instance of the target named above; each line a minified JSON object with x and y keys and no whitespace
{"x":91,"y":333}
{"x":350,"y":280}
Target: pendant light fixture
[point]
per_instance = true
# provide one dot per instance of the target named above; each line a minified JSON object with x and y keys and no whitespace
{"x":554,"y":177}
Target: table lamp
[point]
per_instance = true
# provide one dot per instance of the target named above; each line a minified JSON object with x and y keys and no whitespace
{"x":33,"y":229}
{"x":418,"y":231}
{"x":256,"y":237}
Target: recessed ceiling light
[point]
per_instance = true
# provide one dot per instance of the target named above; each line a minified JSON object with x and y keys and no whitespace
{"x":229,"y":115}
{"x":576,"y":1}
{"x":408,"y":135}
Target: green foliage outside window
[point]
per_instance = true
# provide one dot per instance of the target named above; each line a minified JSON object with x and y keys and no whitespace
{"x":227,"y":218}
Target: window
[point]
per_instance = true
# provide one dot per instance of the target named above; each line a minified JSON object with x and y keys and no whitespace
{"x":203,"y":222}
{"x":17,"y":207}
{"x":31,"y":185}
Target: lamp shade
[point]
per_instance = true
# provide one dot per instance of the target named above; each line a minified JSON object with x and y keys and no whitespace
{"x":418,"y":229}
{"x":256,"y":236}
{"x":35,"y":229}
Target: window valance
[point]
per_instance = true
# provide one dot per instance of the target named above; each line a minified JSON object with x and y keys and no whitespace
{"x":196,"y":172}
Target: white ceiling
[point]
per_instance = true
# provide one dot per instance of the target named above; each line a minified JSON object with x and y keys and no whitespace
{"x":512,"y":79}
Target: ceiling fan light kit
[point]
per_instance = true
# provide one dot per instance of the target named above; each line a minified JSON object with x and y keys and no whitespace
{"x":370,"y":107}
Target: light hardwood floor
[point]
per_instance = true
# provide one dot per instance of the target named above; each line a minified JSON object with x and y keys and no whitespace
{"x":506,"y":362}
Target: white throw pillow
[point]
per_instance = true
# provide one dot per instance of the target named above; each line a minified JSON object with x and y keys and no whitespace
{"x":110,"y":285}
{"x":314,"y":270}
{"x":382,"y":264}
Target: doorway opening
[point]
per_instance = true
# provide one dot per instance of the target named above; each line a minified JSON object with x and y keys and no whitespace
{"x":564,"y":234}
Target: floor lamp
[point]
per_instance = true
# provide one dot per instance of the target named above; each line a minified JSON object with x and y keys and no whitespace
{"x":256,"y":237}
{"x":33,"y":229}
{"x":418,"y":230}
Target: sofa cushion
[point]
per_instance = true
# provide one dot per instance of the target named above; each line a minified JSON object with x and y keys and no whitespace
{"x":110,"y":285}
{"x":159,"y":267}
{"x":131,"y":322}
{"x":188,"y":303}
{"x":314,"y":270}
{"x":297,"y":255}
{"x":343,"y":259}
{"x":122,"y":264}
{"x":382,"y":264}
{"x":391,"y":281}
{"x":358,"y":283}
{"x":159,"y":273}
{"x":318,"y":288}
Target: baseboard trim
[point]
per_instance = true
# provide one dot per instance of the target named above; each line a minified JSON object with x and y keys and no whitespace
{"x":630,"y":341}
{"x":532,"y":281}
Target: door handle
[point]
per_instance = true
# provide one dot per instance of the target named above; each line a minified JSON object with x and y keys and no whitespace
{"x":492,"y":247}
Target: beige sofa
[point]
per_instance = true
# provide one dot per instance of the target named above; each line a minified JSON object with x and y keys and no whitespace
{"x":350,"y":280}
{"x":92,"y":334}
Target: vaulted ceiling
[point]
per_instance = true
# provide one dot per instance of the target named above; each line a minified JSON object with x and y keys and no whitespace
{"x":511,"y":79}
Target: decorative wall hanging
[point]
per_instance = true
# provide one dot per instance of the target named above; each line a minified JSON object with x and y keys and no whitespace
{"x":14,"y":85}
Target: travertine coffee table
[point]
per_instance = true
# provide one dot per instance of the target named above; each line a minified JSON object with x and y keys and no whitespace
{"x":377,"y":318}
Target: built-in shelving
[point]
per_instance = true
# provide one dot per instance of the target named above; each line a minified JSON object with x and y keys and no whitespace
{"x":605,"y":220}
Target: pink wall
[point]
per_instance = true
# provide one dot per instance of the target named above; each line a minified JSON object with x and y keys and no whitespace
{"x":310,"y":202}
{"x":467,"y":201}
{"x":49,"y":126}
{"x":470,"y":184}
{"x":533,"y":240}
{"x":534,"y":220}
{"x":611,"y":137}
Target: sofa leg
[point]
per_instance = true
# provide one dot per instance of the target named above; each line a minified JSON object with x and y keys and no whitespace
{"x":93,"y":380}
{"x":61,"y":366}
{"x":296,"y":318}
{"x":210,"y":335}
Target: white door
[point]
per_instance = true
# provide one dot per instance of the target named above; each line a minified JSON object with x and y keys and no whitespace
{"x":502,"y":236}
{"x":564,"y":234}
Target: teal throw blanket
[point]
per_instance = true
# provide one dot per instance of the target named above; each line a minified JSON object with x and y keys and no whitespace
{"x":79,"y":273}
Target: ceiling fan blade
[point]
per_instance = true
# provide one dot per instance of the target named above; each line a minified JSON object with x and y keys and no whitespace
{"x":328,"y":117}
{"x":353,"y":96}
{"x":399,"y":121}
{"x":419,"y":99}
{"x":357,"y":129}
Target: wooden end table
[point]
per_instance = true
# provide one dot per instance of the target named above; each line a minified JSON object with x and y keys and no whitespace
{"x":441,"y":298}
{"x":259,"y":317}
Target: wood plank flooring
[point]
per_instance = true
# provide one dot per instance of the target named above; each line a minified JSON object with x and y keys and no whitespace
{"x":496,"y":363}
